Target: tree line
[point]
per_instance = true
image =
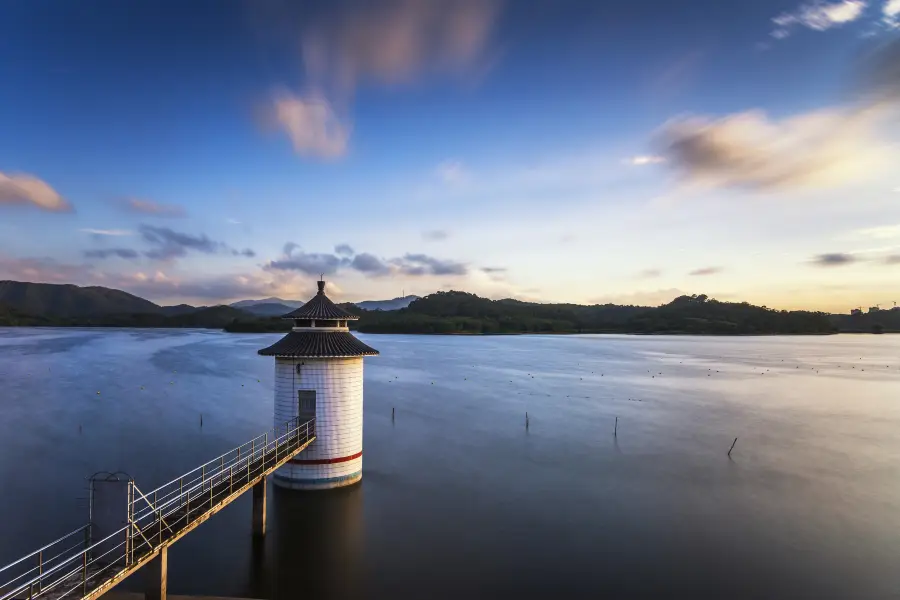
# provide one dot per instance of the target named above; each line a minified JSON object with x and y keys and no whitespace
{"x":463,"y":313}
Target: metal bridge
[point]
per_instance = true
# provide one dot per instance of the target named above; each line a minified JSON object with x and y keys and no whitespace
{"x":79,"y":566}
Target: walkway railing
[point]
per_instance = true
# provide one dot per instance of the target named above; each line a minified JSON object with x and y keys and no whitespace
{"x":76,"y":566}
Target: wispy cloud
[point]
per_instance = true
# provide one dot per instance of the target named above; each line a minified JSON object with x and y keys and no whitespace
{"x":220,"y":288}
{"x":893,"y":259}
{"x":411,"y":264}
{"x":702,"y":272}
{"x":23,"y":189}
{"x":645,"y":159}
{"x":102,"y":253}
{"x":386,"y":42}
{"x":153,"y":209}
{"x":311,"y":263}
{"x":43,"y":270}
{"x":107,"y":232}
{"x":818,"y":16}
{"x":311,"y":124}
{"x":422,"y":264}
{"x":650,"y":274}
{"x":884,"y":232}
{"x":891,"y":13}
{"x":452,"y":172}
{"x":370,"y":264}
{"x":168,"y":244}
{"x":395,"y":41}
{"x":750,"y":150}
{"x":231,"y":221}
{"x":436,"y":235}
{"x":155,"y":285}
{"x":495,"y":273}
{"x":816,"y":149}
{"x":833,"y":259}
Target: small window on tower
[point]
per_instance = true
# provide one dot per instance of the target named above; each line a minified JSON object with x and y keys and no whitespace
{"x":306,"y":404}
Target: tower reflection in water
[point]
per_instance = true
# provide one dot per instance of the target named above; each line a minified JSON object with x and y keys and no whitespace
{"x":314,"y":545}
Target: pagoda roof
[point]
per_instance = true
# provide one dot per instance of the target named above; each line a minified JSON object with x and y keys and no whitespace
{"x":319,"y":344}
{"x":321,"y":307}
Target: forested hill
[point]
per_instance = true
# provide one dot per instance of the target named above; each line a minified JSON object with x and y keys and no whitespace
{"x":460,"y":312}
{"x":213,"y":317}
{"x":442,"y":312}
{"x":67,"y":301}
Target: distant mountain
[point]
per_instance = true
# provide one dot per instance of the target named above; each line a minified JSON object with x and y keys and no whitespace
{"x":35,"y":304}
{"x":394,"y":304}
{"x":180,"y":309}
{"x":43,"y":299}
{"x":245,"y":304}
{"x":211,"y":317}
{"x":274,"y":309}
{"x":460,"y":312}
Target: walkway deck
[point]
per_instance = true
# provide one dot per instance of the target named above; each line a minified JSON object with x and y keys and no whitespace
{"x":75,"y":566}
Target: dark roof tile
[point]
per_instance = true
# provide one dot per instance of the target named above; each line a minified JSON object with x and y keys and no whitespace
{"x":319,"y":344}
{"x":320,"y":307}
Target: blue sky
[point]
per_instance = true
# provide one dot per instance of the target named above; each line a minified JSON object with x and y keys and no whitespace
{"x":212,"y":151}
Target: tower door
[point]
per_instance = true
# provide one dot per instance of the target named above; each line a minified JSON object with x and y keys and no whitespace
{"x":306,"y":404}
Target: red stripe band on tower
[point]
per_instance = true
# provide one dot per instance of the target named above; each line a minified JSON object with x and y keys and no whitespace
{"x":325,"y":461}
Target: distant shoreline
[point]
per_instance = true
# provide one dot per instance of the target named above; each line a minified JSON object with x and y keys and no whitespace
{"x":465,"y":334}
{"x":441,"y":313}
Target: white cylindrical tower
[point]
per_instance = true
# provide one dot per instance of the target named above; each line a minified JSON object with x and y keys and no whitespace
{"x":319,"y":373}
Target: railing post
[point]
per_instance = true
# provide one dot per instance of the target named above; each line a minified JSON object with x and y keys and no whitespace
{"x":158,"y":516}
{"x":84,"y":573}
{"x":129,"y":536}
{"x":230,"y":479}
{"x":40,"y":570}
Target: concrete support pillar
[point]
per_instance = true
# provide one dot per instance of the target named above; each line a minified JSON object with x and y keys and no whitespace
{"x":157,"y":576}
{"x":259,"y":508}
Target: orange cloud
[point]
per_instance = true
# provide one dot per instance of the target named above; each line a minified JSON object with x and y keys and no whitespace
{"x":25,"y":189}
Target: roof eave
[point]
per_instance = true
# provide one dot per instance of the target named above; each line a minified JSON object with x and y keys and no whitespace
{"x":323,"y":355}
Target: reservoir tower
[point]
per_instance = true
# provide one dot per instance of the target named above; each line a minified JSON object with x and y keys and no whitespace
{"x":319,"y":373}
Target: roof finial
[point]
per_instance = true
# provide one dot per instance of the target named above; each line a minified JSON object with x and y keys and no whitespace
{"x":321,"y":283}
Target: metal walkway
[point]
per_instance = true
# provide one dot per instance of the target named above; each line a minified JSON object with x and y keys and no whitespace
{"x":77,"y":566}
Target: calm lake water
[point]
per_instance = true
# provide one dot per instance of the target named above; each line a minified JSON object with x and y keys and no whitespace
{"x":458,"y":498}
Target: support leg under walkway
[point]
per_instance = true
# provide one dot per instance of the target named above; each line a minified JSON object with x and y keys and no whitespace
{"x":259,"y":508}
{"x":157,"y":575}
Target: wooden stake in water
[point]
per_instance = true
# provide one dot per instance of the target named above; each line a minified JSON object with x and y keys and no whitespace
{"x":616,"y":430}
{"x":392,"y":413}
{"x":732,"y":446}
{"x":201,"y":419}
{"x":526,"y":420}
